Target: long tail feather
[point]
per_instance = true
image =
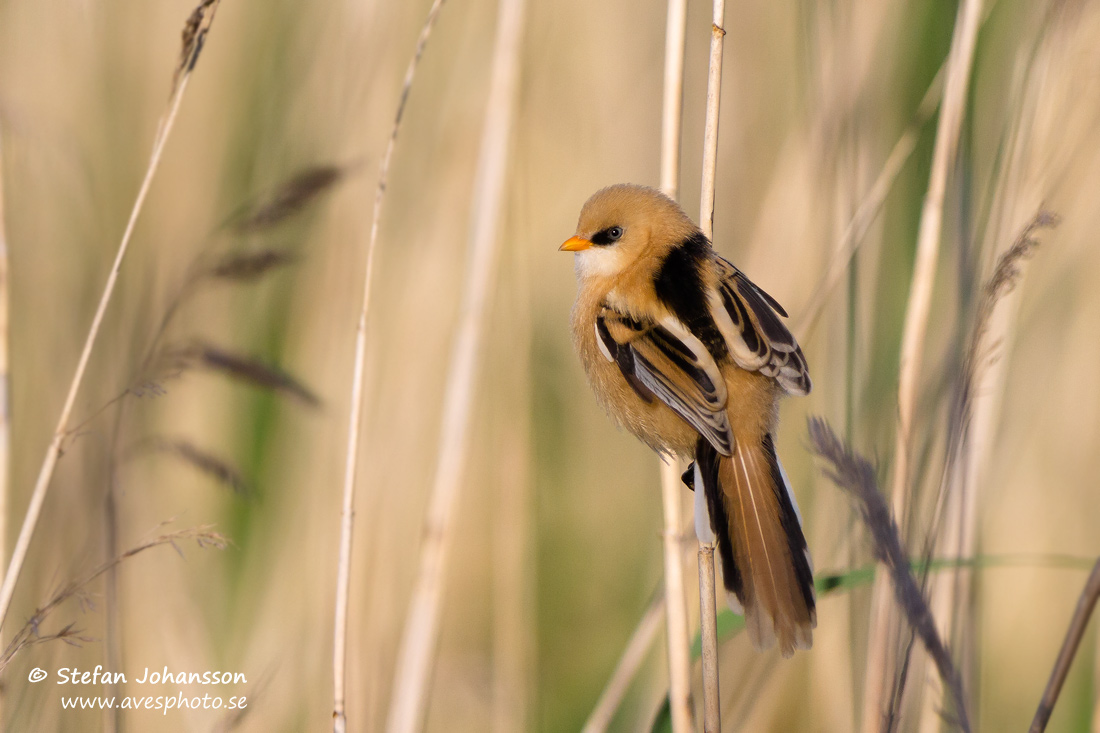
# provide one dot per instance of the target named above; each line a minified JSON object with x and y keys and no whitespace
{"x":765,"y":562}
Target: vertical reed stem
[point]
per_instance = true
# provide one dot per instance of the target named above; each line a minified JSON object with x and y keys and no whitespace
{"x":416,"y":652}
{"x":53,"y":451}
{"x":881,"y":661}
{"x":1085,"y":604}
{"x":514,"y":564}
{"x":347,"y":511}
{"x":708,"y":619}
{"x":707,"y":610}
{"x":710,"y":130}
{"x":676,"y":617}
{"x":869,"y":207}
{"x":676,"y":614}
{"x":5,"y":406}
{"x":672,"y":105}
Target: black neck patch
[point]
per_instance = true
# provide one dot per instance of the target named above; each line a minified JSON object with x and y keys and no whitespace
{"x":679,"y":286}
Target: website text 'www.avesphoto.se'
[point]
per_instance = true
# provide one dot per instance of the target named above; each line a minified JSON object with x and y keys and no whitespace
{"x":160,"y":702}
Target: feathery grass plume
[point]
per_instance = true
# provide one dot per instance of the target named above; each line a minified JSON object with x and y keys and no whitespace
{"x":351,"y":459}
{"x":1006,"y":275}
{"x":217,"y":468}
{"x":287,"y":199}
{"x":155,"y":367}
{"x":243,"y":368}
{"x":1085,"y":605}
{"x":194,"y":36}
{"x":77,"y":590}
{"x":238,"y":267}
{"x":159,"y":365}
{"x":855,"y":474}
{"x":247,"y":267}
{"x":255,"y":217}
{"x":980,"y":355}
{"x":235,"y":267}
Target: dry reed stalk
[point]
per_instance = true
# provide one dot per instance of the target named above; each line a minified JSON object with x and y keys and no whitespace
{"x":514,"y":564}
{"x":672,"y":103}
{"x":710,"y":129}
{"x":708,"y":632}
{"x":347,"y":510}
{"x":869,"y":208}
{"x":973,"y":421}
{"x":956,"y":503}
{"x":881,"y":653}
{"x":872,"y":202}
{"x":1095,"y":728}
{"x":1085,"y":604}
{"x":928,"y":241}
{"x":408,"y":705}
{"x":676,"y":611}
{"x":5,"y":407}
{"x":112,"y":647}
{"x":707,"y":610}
{"x":676,"y":617}
{"x":978,"y":398}
{"x":513,"y":594}
{"x":629,"y":664}
{"x":194,"y":36}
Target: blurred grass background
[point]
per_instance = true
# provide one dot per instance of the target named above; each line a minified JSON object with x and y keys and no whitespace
{"x":815,"y":95}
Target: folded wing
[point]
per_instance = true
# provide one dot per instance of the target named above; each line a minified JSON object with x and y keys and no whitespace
{"x":749,"y":319}
{"x":663,"y":359}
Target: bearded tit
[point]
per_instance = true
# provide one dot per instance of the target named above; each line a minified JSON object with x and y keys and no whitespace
{"x":689,"y":355}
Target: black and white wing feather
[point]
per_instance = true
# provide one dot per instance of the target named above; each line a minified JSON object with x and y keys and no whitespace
{"x":663,"y":359}
{"x":749,"y":319}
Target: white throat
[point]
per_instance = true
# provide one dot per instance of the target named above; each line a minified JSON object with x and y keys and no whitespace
{"x":599,"y":262}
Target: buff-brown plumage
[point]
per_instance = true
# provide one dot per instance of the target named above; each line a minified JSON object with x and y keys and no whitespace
{"x":690,"y":356}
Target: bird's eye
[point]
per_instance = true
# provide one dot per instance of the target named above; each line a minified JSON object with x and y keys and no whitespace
{"x":607,"y":237}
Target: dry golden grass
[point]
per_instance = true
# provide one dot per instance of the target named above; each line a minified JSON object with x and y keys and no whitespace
{"x":815,"y":98}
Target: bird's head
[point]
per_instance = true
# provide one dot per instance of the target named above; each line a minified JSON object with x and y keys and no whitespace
{"x":625,"y":224}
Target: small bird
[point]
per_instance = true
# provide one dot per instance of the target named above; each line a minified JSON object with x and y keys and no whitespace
{"x":689,"y":355}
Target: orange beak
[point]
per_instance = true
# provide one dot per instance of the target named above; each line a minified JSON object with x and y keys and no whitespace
{"x":574,"y":244}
